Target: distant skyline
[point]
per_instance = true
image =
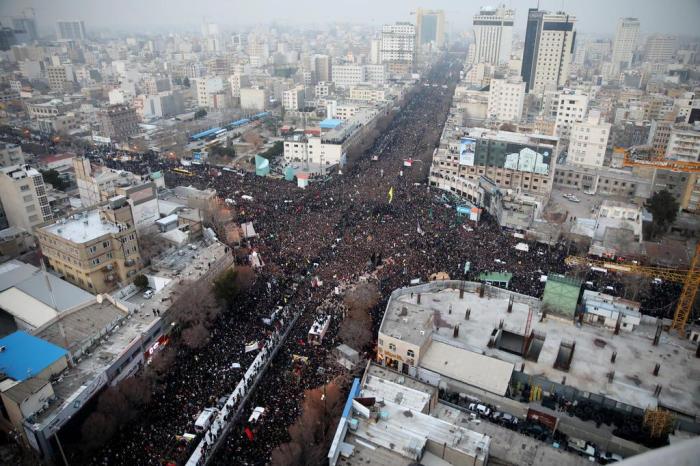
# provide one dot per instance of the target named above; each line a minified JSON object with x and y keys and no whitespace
{"x":594,"y":16}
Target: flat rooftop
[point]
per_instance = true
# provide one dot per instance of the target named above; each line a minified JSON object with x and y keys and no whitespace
{"x":81,"y":228}
{"x":633,"y":382}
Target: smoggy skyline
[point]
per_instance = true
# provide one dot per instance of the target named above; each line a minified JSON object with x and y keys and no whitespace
{"x":594,"y":16}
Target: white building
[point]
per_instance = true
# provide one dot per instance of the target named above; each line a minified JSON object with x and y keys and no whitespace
{"x":237,"y":81}
{"x":606,"y":310}
{"x":348,"y":75}
{"x":23,"y":196}
{"x":10,"y":154}
{"x":493,"y":35}
{"x":375,"y":47}
{"x":210,"y":91}
{"x":506,"y":98}
{"x":375,"y":74}
{"x":253,"y":98}
{"x":625,"y":42}
{"x":660,"y":48}
{"x":571,"y":108}
{"x":684,"y":143}
{"x":324,"y":89}
{"x":589,"y":140}
{"x":548,"y":49}
{"x":293,"y":99}
{"x":398,"y":47}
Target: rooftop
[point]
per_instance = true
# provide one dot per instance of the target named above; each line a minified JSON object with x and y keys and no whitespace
{"x":25,"y":356}
{"x":81,"y":228}
{"x":633,"y":382}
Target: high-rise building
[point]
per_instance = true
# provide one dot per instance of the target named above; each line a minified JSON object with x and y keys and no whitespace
{"x":375,"y":51}
{"x":548,"y":50}
{"x":493,"y":35}
{"x":25,"y":29}
{"x":660,"y":48}
{"x":398,"y":48}
{"x":10,"y":154}
{"x":589,"y":140}
{"x":430,"y":27}
{"x":625,"y":41}
{"x":59,"y":78}
{"x":23,"y":195}
{"x":506,"y":98}
{"x":70,"y":30}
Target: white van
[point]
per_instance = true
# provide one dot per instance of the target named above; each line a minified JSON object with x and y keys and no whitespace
{"x":205,"y":419}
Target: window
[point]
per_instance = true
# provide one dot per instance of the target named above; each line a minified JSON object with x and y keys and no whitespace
{"x":392,"y":347}
{"x":410,"y":353}
{"x":24,"y":187}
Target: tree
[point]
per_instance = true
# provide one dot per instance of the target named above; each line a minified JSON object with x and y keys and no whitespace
{"x":53,"y":177}
{"x":221,"y":151}
{"x":225,"y":288}
{"x":186,"y":82}
{"x":664,"y":207}
{"x":97,"y":429}
{"x":201,"y":113}
{"x":196,"y":337}
{"x":277,"y":149}
{"x":141,"y":281}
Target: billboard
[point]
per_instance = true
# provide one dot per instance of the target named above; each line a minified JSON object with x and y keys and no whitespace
{"x":528,"y":160}
{"x":467,"y":150}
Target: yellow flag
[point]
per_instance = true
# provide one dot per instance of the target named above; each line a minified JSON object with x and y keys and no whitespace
{"x":391,"y":194}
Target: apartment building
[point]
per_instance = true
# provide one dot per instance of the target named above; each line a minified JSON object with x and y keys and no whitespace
{"x":348,"y":75}
{"x":60,"y":77}
{"x":589,"y":140}
{"x":10,"y":154}
{"x":398,"y":47}
{"x":324,"y":89}
{"x":253,"y":98}
{"x":506,"y":99}
{"x":97,"y":250}
{"x":293,"y":99}
{"x":118,"y":122}
{"x":23,"y":196}
{"x":367,"y":93}
{"x":684,"y":143}
{"x":571,"y":108}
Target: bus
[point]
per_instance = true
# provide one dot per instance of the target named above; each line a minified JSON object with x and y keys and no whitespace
{"x":182,"y":171}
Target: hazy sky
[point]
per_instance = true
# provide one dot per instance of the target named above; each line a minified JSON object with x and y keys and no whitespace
{"x":594,"y":16}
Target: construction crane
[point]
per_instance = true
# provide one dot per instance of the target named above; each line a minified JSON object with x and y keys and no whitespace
{"x":629,"y":160}
{"x":689,"y":277}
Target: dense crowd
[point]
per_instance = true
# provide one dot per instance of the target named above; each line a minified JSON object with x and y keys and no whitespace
{"x":337,"y":230}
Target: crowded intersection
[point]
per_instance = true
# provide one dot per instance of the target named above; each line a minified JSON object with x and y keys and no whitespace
{"x":377,"y":218}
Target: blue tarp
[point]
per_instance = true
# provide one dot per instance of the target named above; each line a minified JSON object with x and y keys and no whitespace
{"x":262,"y":166}
{"x":26,"y":356}
{"x":330,"y":123}
{"x":354,"y":391}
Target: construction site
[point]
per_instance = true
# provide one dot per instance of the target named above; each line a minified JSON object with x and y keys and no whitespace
{"x":604,"y":362}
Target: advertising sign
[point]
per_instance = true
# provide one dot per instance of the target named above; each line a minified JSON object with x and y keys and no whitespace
{"x":467,"y":149}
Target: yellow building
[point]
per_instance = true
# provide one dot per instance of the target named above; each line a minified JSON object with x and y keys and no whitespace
{"x":96,"y":250}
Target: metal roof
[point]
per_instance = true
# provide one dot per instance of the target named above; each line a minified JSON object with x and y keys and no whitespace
{"x":25,"y":356}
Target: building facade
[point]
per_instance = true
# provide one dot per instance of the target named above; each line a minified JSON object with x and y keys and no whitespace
{"x":506,"y":99}
{"x":493,"y":35}
{"x":548,"y":49}
{"x":118,"y":122}
{"x":96,"y":250}
{"x":23,"y":196}
{"x":589,"y":140}
{"x":626,"y":36}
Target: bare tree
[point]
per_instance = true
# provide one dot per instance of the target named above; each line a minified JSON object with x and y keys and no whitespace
{"x":196,"y":337}
{"x":97,"y":429}
{"x":137,"y":390}
{"x":356,"y":329}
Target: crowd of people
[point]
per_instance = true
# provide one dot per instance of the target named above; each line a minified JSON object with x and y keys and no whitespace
{"x":311,"y":242}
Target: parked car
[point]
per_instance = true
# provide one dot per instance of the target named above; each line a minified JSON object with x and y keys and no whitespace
{"x":148,"y":294}
{"x":483,"y":410}
{"x":608,"y":458}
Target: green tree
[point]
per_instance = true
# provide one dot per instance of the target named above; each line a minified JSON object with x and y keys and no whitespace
{"x":221,"y":151}
{"x":53,"y":177}
{"x":141,"y":281}
{"x":274,"y":151}
{"x":186,"y":82}
{"x":664,"y":207}
{"x":201,"y":113}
